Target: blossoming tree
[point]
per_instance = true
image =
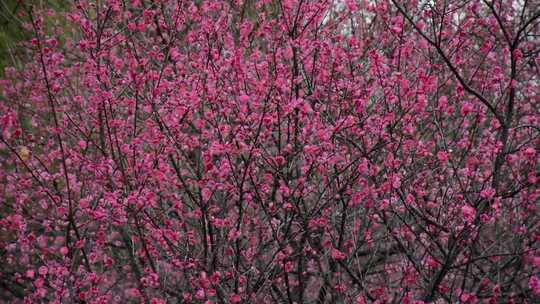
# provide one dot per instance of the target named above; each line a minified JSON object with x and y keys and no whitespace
{"x":273,"y":151}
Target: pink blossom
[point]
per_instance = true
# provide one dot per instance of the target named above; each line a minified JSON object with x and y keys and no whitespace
{"x":243,"y":98}
{"x":468,"y":213}
{"x":200,"y":294}
{"x":133,"y":293}
{"x":263,"y":151}
{"x":487,"y":193}
{"x":466,"y":108}
{"x":529,"y":152}
{"x":534,"y":285}
{"x":235,"y":298}
{"x":43,"y":270}
{"x":536,"y":261}
{"x":338,"y":255}
{"x":64,"y":250}
{"x":442,"y":156}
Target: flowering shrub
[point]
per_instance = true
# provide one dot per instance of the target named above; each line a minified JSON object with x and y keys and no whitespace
{"x":273,"y":152}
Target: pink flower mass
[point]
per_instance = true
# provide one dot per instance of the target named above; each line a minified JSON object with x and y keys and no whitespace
{"x":272,"y":151}
{"x":468,"y":213}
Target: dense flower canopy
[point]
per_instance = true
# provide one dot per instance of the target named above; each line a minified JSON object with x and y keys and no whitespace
{"x":271,"y":151}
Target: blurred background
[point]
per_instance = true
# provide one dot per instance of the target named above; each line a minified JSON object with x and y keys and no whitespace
{"x":12,"y":18}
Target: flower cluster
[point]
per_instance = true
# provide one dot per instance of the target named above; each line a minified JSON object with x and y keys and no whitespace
{"x":270,"y":151}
